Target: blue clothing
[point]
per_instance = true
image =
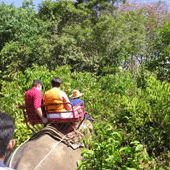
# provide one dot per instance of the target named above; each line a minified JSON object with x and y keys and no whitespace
{"x":2,"y":164}
{"x":75,"y":102}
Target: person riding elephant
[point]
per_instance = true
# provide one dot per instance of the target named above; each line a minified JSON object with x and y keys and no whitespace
{"x":33,"y":100}
{"x":56,"y":96}
{"x":75,"y":100}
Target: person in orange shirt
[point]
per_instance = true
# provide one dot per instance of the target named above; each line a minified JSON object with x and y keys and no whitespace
{"x":57,"y":96}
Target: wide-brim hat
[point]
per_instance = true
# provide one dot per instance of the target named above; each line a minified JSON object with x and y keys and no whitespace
{"x":76,"y":94}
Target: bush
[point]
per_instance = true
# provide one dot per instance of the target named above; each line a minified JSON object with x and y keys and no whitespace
{"x":124,"y":113}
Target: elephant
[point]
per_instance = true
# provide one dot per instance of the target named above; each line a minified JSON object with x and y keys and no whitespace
{"x":49,"y":149}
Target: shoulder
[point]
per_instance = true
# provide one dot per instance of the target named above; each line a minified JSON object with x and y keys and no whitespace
{"x":62,"y":93}
{"x":33,"y":91}
{"x":37,"y":92}
{"x":79,"y":100}
{"x":51,"y":91}
{"x":72,"y":100}
{"x":48,"y":91}
{"x":27,"y":92}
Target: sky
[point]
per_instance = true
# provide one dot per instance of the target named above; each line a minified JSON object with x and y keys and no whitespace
{"x":18,"y":3}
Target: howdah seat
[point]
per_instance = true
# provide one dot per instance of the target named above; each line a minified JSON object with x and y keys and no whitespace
{"x":71,"y":118}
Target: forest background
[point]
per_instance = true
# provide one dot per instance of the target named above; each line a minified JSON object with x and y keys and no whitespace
{"x":115,"y":52}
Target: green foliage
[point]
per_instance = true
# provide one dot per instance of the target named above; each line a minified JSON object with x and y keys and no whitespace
{"x":119,"y":38}
{"x":67,"y":32}
{"x":124,"y":113}
{"x":18,"y":48}
{"x":14,"y":90}
{"x":85,"y":43}
{"x":140,"y":114}
{"x":108,"y":152}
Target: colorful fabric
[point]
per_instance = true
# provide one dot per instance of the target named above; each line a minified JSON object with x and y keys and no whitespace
{"x":33,"y":98}
{"x":52,"y":97}
{"x":76,"y":101}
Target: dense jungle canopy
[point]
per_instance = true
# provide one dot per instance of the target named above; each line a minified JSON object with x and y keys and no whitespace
{"x":116,"y":52}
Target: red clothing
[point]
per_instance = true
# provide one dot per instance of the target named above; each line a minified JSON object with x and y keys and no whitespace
{"x":33,"y":98}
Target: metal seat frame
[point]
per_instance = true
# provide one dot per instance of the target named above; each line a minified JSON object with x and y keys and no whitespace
{"x":57,"y":122}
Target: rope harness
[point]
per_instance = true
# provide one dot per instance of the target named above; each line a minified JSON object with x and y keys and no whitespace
{"x":49,"y":152}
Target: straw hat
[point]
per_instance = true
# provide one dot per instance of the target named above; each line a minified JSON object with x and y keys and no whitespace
{"x":76,"y":94}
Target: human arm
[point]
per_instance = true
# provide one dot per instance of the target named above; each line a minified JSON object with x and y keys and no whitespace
{"x":65,"y":99}
{"x":37,"y":106}
{"x":40,"y":114}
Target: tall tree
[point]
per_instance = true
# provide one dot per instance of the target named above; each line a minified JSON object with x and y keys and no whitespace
{"x":119,"y":39}
{"x":20,"y":30}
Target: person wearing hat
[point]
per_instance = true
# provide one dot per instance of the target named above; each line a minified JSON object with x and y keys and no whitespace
{"x":55,"y":96}
{"x":33,"y":98}
{"x":75,"y":97}
{"x":75,"y":100}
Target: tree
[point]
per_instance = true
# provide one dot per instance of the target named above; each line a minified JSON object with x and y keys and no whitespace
{"x":19,"y":32}
{"x":70,"y":34}
{"x":27,"y":4}
{"x":102,"y":5}
{"x":119,"y":39}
